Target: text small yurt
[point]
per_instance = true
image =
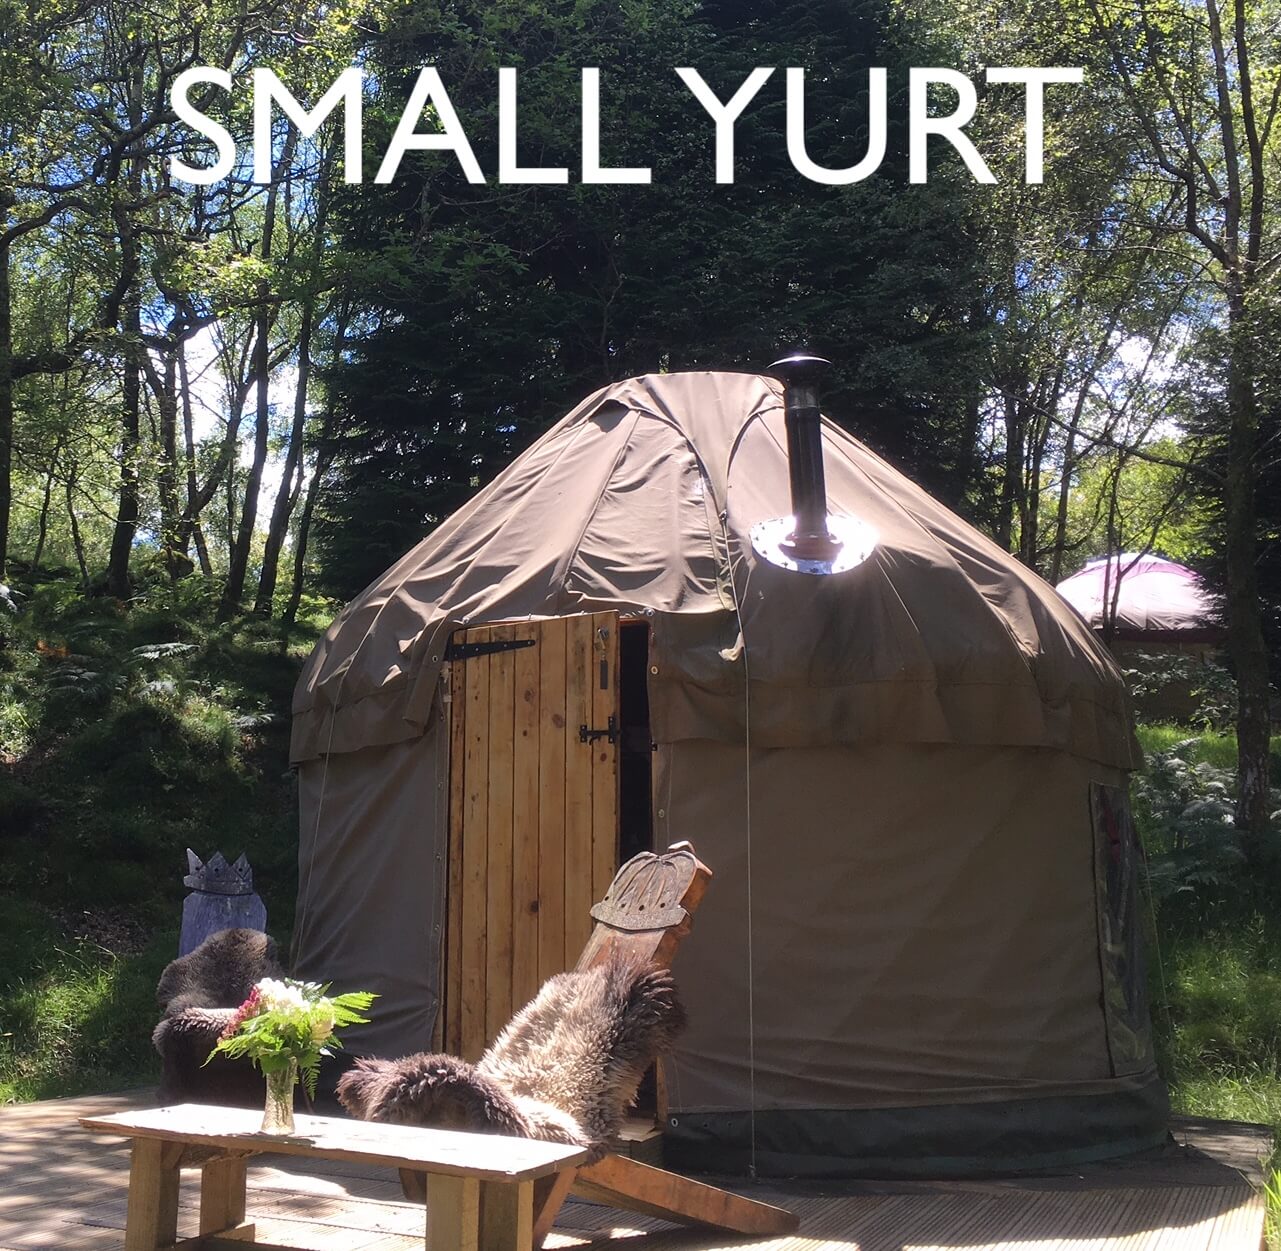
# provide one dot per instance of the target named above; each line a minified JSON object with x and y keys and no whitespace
{"x":920,"y":952}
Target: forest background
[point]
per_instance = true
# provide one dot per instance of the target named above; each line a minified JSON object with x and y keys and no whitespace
{"x":224,"y":409}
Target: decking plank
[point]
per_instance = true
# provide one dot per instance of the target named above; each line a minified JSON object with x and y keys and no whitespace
{"x":64,"y":1190}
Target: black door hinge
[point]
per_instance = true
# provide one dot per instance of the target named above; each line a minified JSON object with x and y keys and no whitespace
{"x":590,"y":736}
{"x":469,"y":651}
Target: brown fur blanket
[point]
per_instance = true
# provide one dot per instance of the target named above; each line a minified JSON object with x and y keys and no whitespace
{"x":565,"y":1069}
{"x":198,"y":994}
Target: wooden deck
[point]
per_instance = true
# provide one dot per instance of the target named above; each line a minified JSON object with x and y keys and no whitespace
{"x":64,"y":1189}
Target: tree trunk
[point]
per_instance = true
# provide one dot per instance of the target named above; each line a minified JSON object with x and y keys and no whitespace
{"x":291,"y":478}
{"x":76,"y":541}
{"x":1059,"y":549}
{"x":167,"y":478}
{"x":290,"y":615}
{"x":287,"y":495}
{"x":6,"y":384}
{"x":238,"y":567}
{"x":1012,"y":477}
{"x":131,"y":388}
{"x":131,"y":402}
{"x":1246,"y":645}
{"x":189,"y":525}
{"x":43,"y":532}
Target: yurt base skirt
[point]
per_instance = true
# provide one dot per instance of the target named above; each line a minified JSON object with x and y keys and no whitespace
{"x":954,"y":1140}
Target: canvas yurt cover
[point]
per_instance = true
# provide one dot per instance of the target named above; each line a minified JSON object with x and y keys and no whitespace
{"x":1158,"y":600}
{"x":920,"y":950}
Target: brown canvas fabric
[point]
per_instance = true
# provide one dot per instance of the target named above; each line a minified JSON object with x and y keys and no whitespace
{"x":917,"y":737}
{"x":904,"y":950}
{"x":939,"y":637}
{"x":371,"y":883}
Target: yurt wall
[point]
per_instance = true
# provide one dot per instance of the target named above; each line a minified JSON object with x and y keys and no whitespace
{"x":920,"y":946}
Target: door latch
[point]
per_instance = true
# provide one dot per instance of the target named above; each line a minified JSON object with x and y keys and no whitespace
{"x":586,"y":735}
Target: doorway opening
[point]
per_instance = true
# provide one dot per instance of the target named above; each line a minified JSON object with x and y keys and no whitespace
{"x":636,"y":747}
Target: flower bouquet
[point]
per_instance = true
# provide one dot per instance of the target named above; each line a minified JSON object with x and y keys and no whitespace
{"x":284,"y":1027}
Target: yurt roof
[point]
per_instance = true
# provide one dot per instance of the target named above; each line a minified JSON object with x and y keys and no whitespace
{"x":1157,"y":596}
{"x":642,"y":500}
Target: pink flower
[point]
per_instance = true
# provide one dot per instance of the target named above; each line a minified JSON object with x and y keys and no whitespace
{"x":251,"y":1007}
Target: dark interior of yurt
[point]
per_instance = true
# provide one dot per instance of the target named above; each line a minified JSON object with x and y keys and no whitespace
{"x":903,"y":757}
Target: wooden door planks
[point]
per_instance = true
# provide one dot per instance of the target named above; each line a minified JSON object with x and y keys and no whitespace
{"x":498,"y":933}
{"x":533,"y":824}
{"x":605,"y":773}
{"x":526,"y":882}
{"x":578,"y":782}
{"x":449,"y":1018}
{"x":475,"y":862}
{"x":553,"y":745}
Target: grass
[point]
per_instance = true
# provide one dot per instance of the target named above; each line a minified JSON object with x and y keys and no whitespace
{"x":1216,"y":960}
{"x":127,"y":736}
{"x":1213,"y":747}
{"x":71,"y":1016}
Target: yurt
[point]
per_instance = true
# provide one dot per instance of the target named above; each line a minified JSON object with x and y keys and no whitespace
{"x":1166,"y":631}
{"x":1152,"y":600}
{"x":906,"y":767}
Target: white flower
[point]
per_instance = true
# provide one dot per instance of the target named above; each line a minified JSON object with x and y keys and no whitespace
{"x":278,"y":996}
{"x":322,"y":1021}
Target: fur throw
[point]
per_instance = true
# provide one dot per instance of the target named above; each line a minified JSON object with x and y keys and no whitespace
{"x":565,"y":1069}
{"x":219,"y":973}
{"x":198,"y":995}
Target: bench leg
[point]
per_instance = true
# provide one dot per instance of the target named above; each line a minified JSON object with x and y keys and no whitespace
{"x":507,"y":1216}
{"x":549,"y":1194}
{"x":222,"y":1195}
{"x":151,"y":1220}
{"x":453,"y":1213}
{"x":413,"y":1185}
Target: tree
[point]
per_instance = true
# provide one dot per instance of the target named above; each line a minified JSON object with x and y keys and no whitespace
{"x":487,"y":310}
{"x":1204,"y":108}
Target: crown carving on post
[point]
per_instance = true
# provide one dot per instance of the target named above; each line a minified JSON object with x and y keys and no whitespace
{"x":217,"y":877}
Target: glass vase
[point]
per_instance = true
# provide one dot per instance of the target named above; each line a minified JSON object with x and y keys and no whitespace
{"x":278,"y":1116}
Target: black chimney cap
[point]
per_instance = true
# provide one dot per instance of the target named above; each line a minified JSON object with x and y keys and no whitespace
{"x":800,"y":367}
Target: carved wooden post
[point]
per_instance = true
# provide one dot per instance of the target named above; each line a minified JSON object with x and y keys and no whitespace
{"x":222,"y":898}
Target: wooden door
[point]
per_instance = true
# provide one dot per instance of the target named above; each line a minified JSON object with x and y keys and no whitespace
{"x":533,"y":812}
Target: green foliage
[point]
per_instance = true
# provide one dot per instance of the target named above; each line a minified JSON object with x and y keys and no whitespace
{"x":292,"y":1021}
{"x":75,"y":1015}
{"x":1208,"y":683}
{"x":1272,"y":1225}
{"x":483,"y":313}
{"x":154,"y":732}
{"x":1184,"y":802}
{"x":1121,"y":502}
{"x":1215,"y":965}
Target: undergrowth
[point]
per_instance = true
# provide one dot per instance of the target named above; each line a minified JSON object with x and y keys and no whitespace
{"x":1216,"y":949}
{"x":127,"y":734}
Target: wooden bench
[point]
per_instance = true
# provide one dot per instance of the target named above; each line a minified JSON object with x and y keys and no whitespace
{"x":480,"y":1187}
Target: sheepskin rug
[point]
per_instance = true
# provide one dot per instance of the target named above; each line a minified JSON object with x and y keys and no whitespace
{"x":198,"y":995}
{"x":565,"y":1069}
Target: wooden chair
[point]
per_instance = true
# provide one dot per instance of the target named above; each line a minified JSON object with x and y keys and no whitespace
{"x":647,"y":911}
